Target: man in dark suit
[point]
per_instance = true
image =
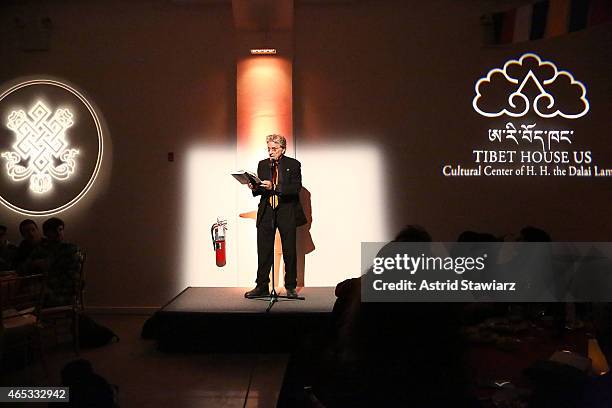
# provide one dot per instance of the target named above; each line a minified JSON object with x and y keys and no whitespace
{"x":280,"y":208}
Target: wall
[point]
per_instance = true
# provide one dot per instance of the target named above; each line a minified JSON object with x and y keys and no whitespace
{"x":402,"y":74}
{"x":394,"y":76}
{"x":163,"y":76}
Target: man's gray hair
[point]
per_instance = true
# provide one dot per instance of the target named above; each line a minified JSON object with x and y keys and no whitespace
{"x":280,"y":139}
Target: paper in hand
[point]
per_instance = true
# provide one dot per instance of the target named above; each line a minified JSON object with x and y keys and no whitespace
{"x":245,"y":177}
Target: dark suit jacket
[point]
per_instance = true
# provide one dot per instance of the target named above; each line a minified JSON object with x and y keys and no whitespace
{"x":288,"y":187}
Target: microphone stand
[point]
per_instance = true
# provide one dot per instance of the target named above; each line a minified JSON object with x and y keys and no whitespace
{"x":274,"y":296}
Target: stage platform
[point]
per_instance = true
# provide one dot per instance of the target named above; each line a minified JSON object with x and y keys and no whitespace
{"x":222,"y":319}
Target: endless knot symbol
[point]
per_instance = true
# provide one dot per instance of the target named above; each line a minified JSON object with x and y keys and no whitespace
{"x":40,"y":151}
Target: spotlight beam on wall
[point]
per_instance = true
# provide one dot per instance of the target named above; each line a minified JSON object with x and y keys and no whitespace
{"x":344,"y":213}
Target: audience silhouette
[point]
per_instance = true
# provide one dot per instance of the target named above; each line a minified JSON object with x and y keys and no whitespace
{"x":8,"y":251}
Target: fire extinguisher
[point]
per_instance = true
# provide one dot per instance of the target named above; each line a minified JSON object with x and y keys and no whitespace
{"x":217,"y":232}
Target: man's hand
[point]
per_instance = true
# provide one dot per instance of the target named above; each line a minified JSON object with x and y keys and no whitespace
{"x":267,"y":184}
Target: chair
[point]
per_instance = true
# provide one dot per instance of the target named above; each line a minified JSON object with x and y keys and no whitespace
{"x":21,"y":299}
{"x":52,"y":317}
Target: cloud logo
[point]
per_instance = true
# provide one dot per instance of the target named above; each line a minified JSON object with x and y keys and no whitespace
{"x":529,"y":83}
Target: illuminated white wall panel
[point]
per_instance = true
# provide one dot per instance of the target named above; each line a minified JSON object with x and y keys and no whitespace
{"x":348,"y":195}
{"x":209,"y":192}
{"x":247,"y":158}
{"x":347,"y":192}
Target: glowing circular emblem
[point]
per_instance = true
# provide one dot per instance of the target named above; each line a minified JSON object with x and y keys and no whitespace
{"x":51,"y":146}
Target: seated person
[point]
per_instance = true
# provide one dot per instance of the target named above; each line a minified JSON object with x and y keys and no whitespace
{"x":63,"y":264}
{"x":30,"y":257}
{"x":392,"y":354}
{"x":8,"y":251}
{"x":87,"y":388}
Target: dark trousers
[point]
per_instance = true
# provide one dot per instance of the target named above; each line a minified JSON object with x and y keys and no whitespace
{"x":285,"y":222}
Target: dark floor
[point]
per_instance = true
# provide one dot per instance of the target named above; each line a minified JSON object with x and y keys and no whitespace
{"x":149,"y":378}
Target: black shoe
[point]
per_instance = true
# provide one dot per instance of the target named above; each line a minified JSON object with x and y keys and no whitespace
{"x":258,"y":291}
{"x":291,"y":293}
